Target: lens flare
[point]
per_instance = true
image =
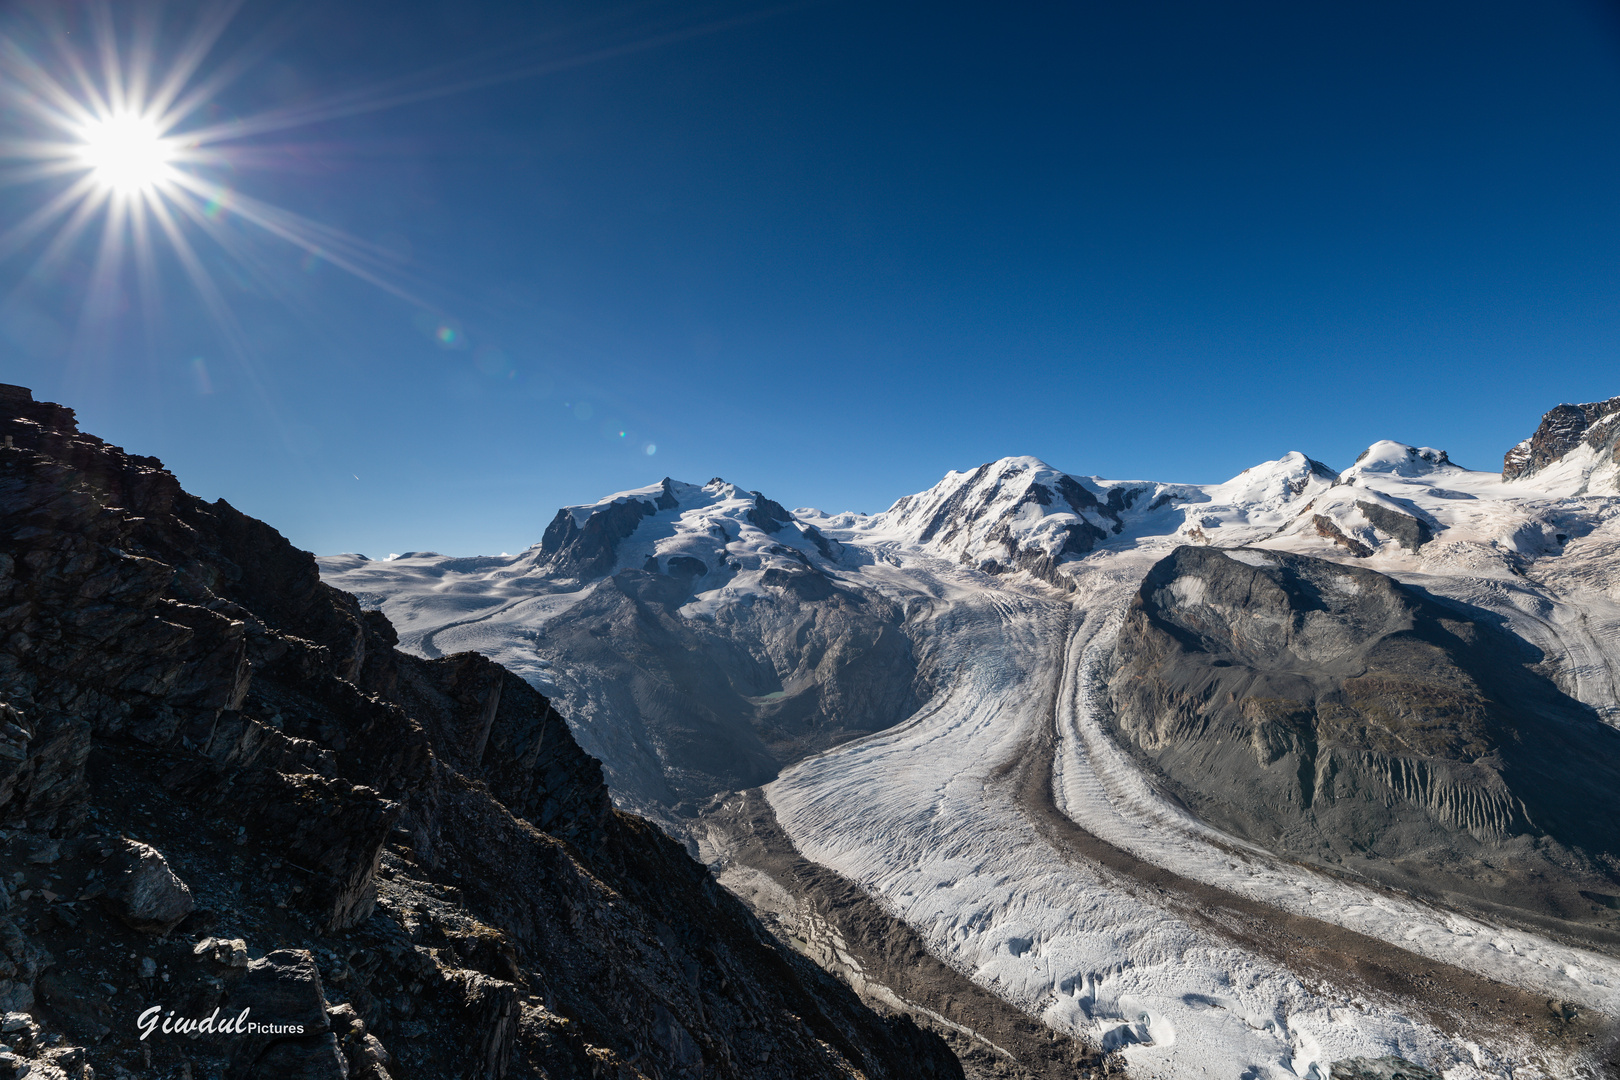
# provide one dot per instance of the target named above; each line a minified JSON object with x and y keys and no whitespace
{"x":117,"y":127}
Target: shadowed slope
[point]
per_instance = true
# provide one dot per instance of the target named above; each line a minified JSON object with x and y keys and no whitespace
{"x":1328,"y":711}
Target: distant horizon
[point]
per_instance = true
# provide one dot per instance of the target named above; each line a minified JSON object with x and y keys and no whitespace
{"x":441,"y":270}
{"x":832,"y":509}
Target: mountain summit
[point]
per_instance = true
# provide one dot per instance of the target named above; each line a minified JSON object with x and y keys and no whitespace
{"x":1375,"y":710}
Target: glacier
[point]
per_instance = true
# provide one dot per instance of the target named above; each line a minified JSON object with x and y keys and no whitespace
{"x":1010,"y":581}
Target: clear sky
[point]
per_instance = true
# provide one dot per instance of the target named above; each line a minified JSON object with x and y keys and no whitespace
{"x":831,"y":250}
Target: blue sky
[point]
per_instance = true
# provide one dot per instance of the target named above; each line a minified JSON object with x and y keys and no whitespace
{"x":832,"y":250}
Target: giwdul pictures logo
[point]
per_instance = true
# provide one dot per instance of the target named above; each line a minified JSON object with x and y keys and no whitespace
{"x":158,"y":1019}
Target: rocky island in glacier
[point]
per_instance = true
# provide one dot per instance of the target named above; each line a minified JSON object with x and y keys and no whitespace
{"x":1291,"y":774}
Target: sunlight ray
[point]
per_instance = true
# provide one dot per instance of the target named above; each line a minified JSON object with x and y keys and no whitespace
{"x":94,"y":100}
{"x":335,"y":247}
{"x":112,"y":73}
{"x":61,"y":244}
{"x":44,"y":96}
{"x":409,"y":91}
{"x":100,"y":302}
{"x":146,"y":270}
{"x":18,"y":236}
{"x":236,"y":339}
{"x":44,"y":170}
{"x":142,"y":53}
{"x":204,"y":36}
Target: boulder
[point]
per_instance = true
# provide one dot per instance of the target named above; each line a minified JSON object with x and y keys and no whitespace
{"x":367,"y":1058}
{"x":143,"y":892}
{"x":232,"y":952}
{"x":20,"y":964}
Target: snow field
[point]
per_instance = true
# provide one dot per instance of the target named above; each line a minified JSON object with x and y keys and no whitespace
{"x":921,"y":817}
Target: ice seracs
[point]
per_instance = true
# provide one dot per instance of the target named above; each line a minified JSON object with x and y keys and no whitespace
{"x":890,"y":667}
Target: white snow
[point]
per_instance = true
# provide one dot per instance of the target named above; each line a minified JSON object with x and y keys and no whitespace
{"x":924,"y":814}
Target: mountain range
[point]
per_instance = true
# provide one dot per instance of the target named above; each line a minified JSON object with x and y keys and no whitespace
{"x":1303,"y":770}
{"x":1309,"y":774}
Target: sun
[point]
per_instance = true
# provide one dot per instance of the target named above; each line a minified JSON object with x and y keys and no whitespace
{"x":126,"y":153}
{"x":121,"y":127}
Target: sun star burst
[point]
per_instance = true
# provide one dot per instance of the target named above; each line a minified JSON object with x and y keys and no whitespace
{"x":126,"y":153}
{"x":108,"y":127}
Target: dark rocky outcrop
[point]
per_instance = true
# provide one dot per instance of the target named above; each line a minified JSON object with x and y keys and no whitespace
{"x":1409,"y":531}
{"x":1562,"y":429}
{"x":589,"y":550}
{"x":411,"y":858}
{"x":1326,"y":527}
{"x":768,"y":515}
{"x":1330,"y":712}
{"x":1383,"y":1068}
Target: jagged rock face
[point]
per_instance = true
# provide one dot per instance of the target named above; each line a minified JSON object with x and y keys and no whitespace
{"x":1331,"y":712}
{"x":143,"y":892}
{"x":1408,"y":531}
{"x":183,"y":698}
{"x":1563,"y":429}
{"x":589,"y":550}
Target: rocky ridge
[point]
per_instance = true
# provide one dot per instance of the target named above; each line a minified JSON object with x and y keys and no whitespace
{"x":1329,"y":711}
{"x":223,"y":787}
{"x":1565,"y":430}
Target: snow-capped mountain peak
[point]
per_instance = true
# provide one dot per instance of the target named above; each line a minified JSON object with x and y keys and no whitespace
{"x":1399,"y":459}
{"x":1271,"y":485}
{"x":1015,"y":513}
{"x":678,"y":528}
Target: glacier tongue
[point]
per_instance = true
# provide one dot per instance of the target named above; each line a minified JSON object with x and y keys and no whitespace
{"x":927,"y":817}
{"x":999,"y":587}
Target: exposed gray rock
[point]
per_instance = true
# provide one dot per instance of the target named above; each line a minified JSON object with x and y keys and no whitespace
{"x":1562,"y":429}
{"x":262,"y":731}
{"x":489,"y":1013}
{"x":571,"y":549}
{"x":366,"y":1056}
{"x":21,"y":961}
{"x":230,"y":953}
{"x":42,"y":783}
{"x":768,"y":515}
{"x":710,"y":712}
{"x":1328,"y":711}
{"x":143,"y":891}
{"x":1384,"y":1068}
{"x":1326,"y":527}
{"x":1410,"y":532}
